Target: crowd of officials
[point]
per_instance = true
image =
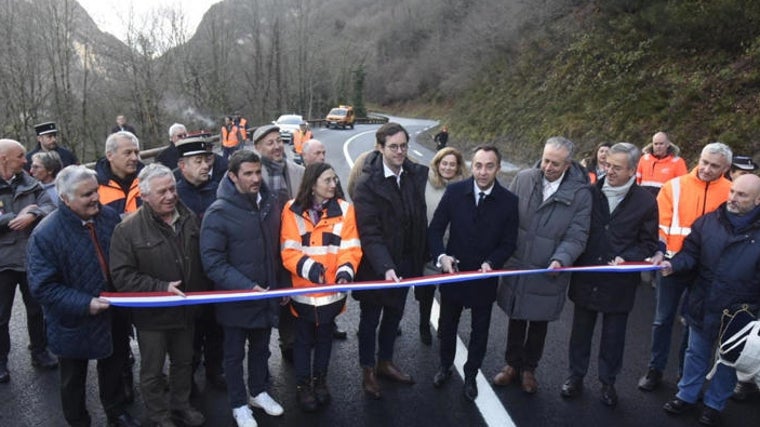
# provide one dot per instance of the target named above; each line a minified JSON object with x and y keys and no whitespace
{"x":255,"y":220}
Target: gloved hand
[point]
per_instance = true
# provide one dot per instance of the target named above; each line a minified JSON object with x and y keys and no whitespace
{"x":317,"y":273}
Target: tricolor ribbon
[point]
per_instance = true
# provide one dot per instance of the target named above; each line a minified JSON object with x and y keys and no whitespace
{"x":166,"y":299}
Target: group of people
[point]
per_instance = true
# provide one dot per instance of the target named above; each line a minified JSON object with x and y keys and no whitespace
{"x":195,"y":221}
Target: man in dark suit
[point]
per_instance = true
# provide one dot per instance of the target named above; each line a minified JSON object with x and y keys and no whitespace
{"x":482,"y":219}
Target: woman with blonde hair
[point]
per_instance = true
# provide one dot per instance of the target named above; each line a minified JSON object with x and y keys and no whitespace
{"x":446,"y":167}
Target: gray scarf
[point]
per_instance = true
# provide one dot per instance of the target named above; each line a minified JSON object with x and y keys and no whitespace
{"x":616,"y":194}
{"x":278,"y":179}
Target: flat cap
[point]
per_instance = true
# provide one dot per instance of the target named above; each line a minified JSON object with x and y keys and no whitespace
{"x":263,"y":131}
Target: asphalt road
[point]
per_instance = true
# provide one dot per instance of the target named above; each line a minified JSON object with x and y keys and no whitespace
{"x":31,"y":397}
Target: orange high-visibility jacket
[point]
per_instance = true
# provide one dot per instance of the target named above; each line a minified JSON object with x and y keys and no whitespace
{"x":232,"y":137}
{"x":684,"y":199}
{"x":111,"y":194}
{"x":299,"y":138}
{"x":332,"y":242}
{"x":654,"y":172}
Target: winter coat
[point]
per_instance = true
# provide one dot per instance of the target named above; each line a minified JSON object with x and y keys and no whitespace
{"x":22,"y":192}
{"x":385,"y":230}
{"x":629,"y":232}
{"x":147,"y":254}
{"x":684,"y":199}
{"x":112,"y":193}
{"x":64,"y":276}
{"x":477,"y":234}
{"x":199,"y":198}
{"x":727,"y":264}
{"x":241,"y":249}
{"x":653,"y":172}
{"x":555,"y":229}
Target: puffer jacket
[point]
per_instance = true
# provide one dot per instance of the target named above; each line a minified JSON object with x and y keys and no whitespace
{"x":64,"y":276}
{"x":555,"y":229}
{"x":240,"y":248}
{"x":147,"y":254}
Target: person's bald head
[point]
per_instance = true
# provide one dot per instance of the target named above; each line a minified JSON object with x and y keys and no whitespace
{"x":313,"y":151}
{"x":660,"y":144}
{"x":744,"y":195}
{"x":12,"y":158}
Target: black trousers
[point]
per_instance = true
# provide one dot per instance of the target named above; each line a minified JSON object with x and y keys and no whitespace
{"x":35,"y":322}
{"x":208,"y":342}
{"x":73,"y":388}
{"x":525,"y":343}
{"x":611,"y":344}
{"x":451,"y":311}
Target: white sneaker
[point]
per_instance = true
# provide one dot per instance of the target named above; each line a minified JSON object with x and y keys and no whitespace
{"x":244,"y":417}
{"x":264,"y":401}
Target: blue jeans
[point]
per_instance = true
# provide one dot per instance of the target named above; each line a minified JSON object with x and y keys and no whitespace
{"x":699,"y":361}
{"x":258,"y":362}
{"x":669,"y":292}
{"x":386,"y":337}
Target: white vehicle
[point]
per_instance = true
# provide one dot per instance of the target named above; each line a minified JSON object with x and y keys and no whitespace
{"x":288,"y":124}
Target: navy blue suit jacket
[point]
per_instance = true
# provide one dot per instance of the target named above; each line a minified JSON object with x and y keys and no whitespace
{"x":476,"y":234}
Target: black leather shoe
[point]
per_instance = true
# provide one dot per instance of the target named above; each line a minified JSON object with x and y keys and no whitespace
{"x":123,"y":420}
{"x":339,"y":334}
{"x":5,"y":375}
{"x":677,"y":406}
{"x":470,"y":389}
{"x":306,"y":399}
{"x":651,"y":380}
{"x":572,"y":387}
{"x":609,"y":395}
{"x":441,"y":377}
{"x":743,"y":391}
{"x":44,"y":360}
{"x":709,"y":417}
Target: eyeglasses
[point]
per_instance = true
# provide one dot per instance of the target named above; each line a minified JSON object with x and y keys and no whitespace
{"x":181,"y":135}
{"x":397,"y":147}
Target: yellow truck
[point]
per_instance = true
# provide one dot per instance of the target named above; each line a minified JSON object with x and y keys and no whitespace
{"x":342,"y":116}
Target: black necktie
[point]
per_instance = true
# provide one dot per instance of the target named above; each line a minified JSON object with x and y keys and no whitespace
{"x":481,"y":197}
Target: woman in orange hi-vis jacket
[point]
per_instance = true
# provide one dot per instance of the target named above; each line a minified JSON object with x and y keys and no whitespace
{"x":320,"y":246}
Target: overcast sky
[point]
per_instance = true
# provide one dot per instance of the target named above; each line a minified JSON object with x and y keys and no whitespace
{"x":112,"y":15}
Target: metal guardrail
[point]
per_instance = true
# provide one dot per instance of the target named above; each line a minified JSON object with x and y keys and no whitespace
{"x":153,"y":152}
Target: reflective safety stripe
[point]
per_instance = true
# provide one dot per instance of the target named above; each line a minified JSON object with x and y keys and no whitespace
{"x":319,"y":301}
{"x":651,"y":184}
{"x":350,"y":243}
{"x":306,"y":267}
{"x":675,"y":222}
{"x":676,"y":231}
{"x":290,"y":244}
{"x":301,"y":224}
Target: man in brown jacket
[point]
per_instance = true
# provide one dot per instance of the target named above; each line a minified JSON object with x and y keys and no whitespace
{"x":156,"y":249}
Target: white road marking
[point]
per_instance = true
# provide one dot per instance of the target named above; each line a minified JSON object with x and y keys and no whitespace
{"x":349,"y":160}
{"x":489,"y":405}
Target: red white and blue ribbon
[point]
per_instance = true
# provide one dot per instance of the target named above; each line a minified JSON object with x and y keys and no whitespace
{"x":166,"y":299}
